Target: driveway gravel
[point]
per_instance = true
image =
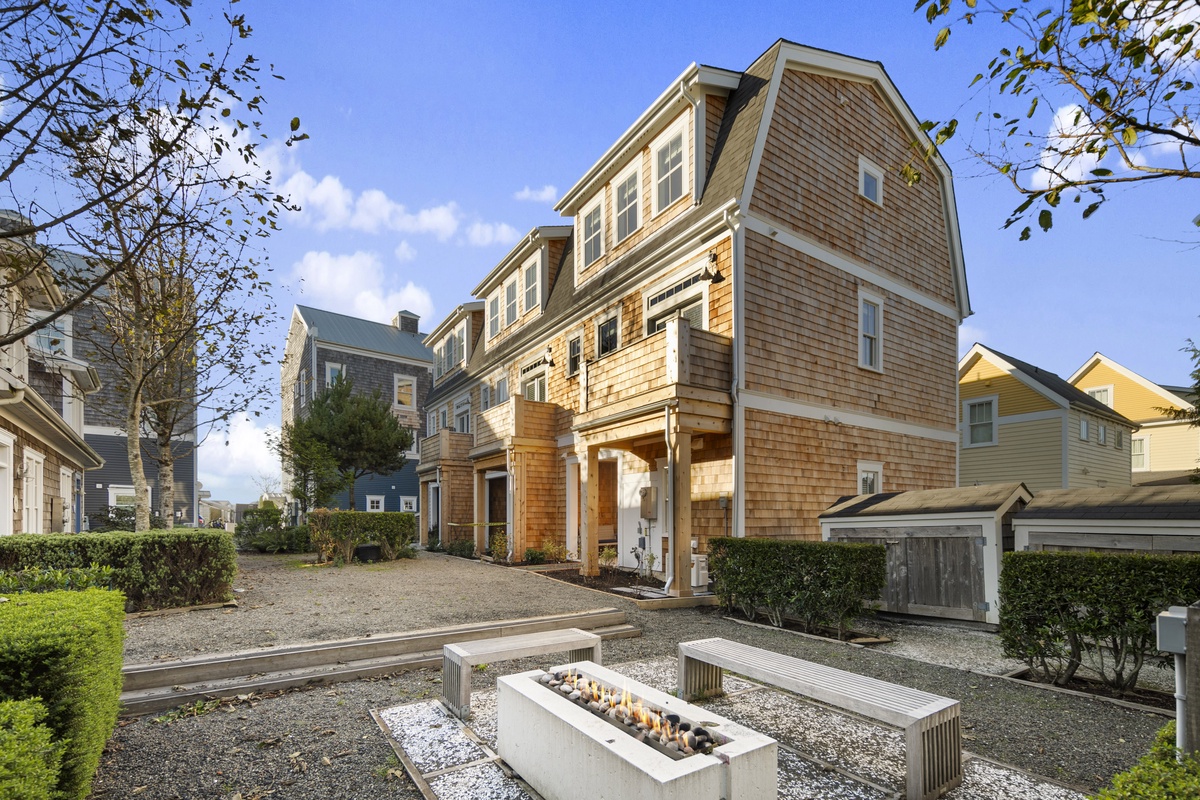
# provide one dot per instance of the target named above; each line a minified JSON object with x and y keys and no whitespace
{"x":322,"y":743}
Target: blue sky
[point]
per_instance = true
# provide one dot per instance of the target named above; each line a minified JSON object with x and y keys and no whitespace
{"x":436,"y":130}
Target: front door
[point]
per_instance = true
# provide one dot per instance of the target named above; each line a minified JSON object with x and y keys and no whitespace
{"x":497,"y":507}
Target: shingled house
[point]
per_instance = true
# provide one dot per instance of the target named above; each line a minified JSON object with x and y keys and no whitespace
{"x":322,"y":345}
{"x":747,"y":316}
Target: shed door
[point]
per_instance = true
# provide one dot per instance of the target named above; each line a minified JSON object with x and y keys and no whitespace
{"x":934,"y":572}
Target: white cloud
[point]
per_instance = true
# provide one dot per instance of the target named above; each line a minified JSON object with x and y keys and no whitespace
{"x":328,"y":205}
{"x":1063,"y":159}
{"x":405,"y":252}
{"x":355,"y":285}
{"x":546,"y":194}
{"x":482,"y":234}
{"x":231,"y":459}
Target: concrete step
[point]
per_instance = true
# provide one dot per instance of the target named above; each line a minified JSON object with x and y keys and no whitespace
{"x":319,"y":665}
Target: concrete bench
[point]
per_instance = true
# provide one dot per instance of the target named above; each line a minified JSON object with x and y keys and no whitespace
{"x":459,"y":659}
{"x":932,"y":733}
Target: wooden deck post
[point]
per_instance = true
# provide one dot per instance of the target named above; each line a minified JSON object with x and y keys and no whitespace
{"x":681,"y":514}
{"x":589,"y":529}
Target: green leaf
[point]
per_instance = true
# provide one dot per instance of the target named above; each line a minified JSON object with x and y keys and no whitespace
{"x":1129,"y":136}
{"x":1045,"y":219}
{"x":1101,"y":172}
{"x":295,"y":124}
{"x":1087,"y":212}
{"x":942,"y":37}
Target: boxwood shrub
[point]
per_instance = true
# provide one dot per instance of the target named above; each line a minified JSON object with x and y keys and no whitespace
{"x":335,"y":534}
{"x":29,"y":758}
{"x":65,"y":648}
{"x":56,"y":580}
{"x":1159,"y":773}
{"x":155,"y":569}
{"x":1059,"y":610}
{"x":819,"y":583}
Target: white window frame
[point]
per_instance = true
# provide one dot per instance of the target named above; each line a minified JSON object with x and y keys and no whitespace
{"x":8,"y":445}
{"x":633,"y":171}
{"x":652,"y":312}
{"x":1101,"y":434}
{"x":1119,"y":439}
{"x":537,"y":379}
{"x":33,"y":487}
{"x":443,"y":418}
{"x":375,"y":498}
{"x":867,"y":167}
{"x":994,"y":400}
{"x":1084,"y":431}
{"x":680,"y":129}
{"x":117,"y":489}
{"x":874,"y":469}
{"x":462,"y":407}
{"x":1145,"y":442}
{"x":485,"y":397}
{"x":66,"y":491}
{"x":397,"y":381}
{"x":576,"y":339}
{"x":865,"y":297}
{"x":431,"y":423}
{"x":330,"y":366}
{"x":498,"y":396}
{"x":534,"y":267}
{"x":596,"y":207}
{"x":494,"y":314}
{"x":1108,"y":388}
{"x":408,"y":504}
{"x":604,"y":320}
{"x":511,"y":312}
{"x":63,"y":326}
{"x":302,"y":388}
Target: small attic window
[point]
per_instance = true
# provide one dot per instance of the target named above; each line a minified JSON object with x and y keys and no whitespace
{"x":870,"y":181}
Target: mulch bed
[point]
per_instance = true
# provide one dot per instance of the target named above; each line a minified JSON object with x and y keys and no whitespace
{"x":1145,"y":697}
{"x":607,"y":581}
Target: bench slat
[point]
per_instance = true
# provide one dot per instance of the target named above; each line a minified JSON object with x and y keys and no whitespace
{"x":529,"y":644}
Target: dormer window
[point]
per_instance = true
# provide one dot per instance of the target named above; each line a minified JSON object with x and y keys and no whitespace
{"x":510,"y":302}
{"x":627,"y":204}
{"x":669,"y":175}
{"x":593,"y":234}
{"x":532,"y":295}
{"x":493,"y":316}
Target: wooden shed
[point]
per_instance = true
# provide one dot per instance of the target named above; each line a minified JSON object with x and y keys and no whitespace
{"x":943,"y":545}
{"x":1161,"y":519}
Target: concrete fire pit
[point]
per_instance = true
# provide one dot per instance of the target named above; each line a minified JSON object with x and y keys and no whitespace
{"x":559,"y":747}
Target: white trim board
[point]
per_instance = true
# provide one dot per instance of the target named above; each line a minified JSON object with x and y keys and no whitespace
{"x":839,"y":261}
{"x":343,"y":348}
{"x":781,"y":405}
{"x":1145,"y":383}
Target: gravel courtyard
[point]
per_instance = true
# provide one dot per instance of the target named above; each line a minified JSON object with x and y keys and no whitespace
{"x":322,"y":743}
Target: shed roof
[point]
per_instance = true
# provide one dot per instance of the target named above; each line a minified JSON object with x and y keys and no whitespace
{"x":990,"y":497}
{"x":1123,"y":502}
{"x":364,"y":334}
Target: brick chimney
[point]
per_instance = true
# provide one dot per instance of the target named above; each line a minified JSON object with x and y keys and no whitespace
{"x":406,"y":321}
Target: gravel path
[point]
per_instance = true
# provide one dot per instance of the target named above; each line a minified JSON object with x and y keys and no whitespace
{"x":322,"y":742}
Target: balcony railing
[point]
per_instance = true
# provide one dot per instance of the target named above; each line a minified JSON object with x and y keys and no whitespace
{"x":515,"y":418}
{"x":445,"y":445}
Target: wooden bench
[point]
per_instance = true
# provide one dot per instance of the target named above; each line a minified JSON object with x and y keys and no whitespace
{"x":932,"y":734}
{"x":459,"y":659}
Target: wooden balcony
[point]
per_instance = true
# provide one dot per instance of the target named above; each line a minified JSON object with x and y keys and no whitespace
{"x":690,"y":369}
{"x":515,"y":421}
{"x":445,"y":446}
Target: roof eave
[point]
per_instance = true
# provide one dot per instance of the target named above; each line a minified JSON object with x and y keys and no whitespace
{"x":453,"y":318}
{"x":520,"y":251}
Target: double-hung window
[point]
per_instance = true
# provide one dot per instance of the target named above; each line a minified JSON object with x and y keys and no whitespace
{"x":405,"y":392}
{"x":1139,"y":453}
{"x":500,"y":393}
{"x":606,"y":336}
{"x":532,"y":296}
{"x":870,"y":332}
{"x":510,"y":302}
{"x":574,"y":350}
{"x":462,"y":415}
{"x":627,"y":205}
{"x":333,"y":372}
{"x":870,"y":477}
{"x":1101,"y":393}
{"x":493,"y":316}
{"x":593,"y":234}
{"x":302,"y":388}
{"x":668,"y":171}
{"x":1083,"y":429}
{"x":980,"y":418}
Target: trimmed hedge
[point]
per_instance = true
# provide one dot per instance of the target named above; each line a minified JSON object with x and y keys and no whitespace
{"x":56,"y":580}
{"x":820,"y":583}
{"x":155,"y":569}
{"x":1059,"y":610}
{"x":1158,"y":774}
{"x":29,"y":759}
{"x":66,"y":649}
{"x":335,"y":534}
{"x":259,"y":529}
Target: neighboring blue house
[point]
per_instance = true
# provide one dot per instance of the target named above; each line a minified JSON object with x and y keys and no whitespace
{"x":391,"y":358}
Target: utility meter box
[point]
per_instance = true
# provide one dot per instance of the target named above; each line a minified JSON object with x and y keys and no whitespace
{"x":1172,"y":630}
{"x":649,"y":502}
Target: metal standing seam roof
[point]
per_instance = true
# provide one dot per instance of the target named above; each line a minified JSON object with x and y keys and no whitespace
{"x":334,"y":328}
{"x":989,"y":497}
{"x":1118,"y":503}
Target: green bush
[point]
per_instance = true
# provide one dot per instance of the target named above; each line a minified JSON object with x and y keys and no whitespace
{"x":155,"y":569}
{"x":535,"y":556}
{"x":819,"y":583}
{"x":335,"y":534}
{"x":463,"y":548}
{"x":29,"y":758}
{"x":66,"y":649}
{"x":56,"y":580}
{"x":1159,"y":774}
{"x":261,"y":529}
{"x":1061,"y":610}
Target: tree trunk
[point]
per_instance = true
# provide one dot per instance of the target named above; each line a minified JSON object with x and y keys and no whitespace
{"x":166,"y":479}
{"x":350,"y":489}
{"x":133,"y":445}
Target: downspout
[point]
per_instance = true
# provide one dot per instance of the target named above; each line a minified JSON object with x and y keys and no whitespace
{"x":17,"y":397}
{"x":697,"y":149}
{"x":732,"y":217}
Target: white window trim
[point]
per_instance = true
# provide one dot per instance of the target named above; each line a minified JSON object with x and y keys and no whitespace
{"x":573,"y":336}
{"x":994,"y":399}
{"x":408,"y":504}
{"x":1109,"y":387}
{"x":1101,"y":434}
{"x":877,"y":300}
{"x":598,"y":202}
{"x":302,"y":389}
{"x":680,"y":127}
{"x":516,"y":304}
{"x":1145,"y":453}
{"x":868,"y":167}
{"x":329,"y":367}
{"x":496,"y":379}
{"x":696,"y":290}
{"x":463,"y":405}
{"x":493,"y":322}
{"x":382,"y":504}
{"x":39,"y":480}
{"x":8,"y":444}
{"x":633,"y":169}
{"x":535,"y":264}
{"x":66,"y":487}
{"x":601,"y":320}
{"x":1085,"y":432}
{"x":398,"y":379}
{"x":875,"y":467}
